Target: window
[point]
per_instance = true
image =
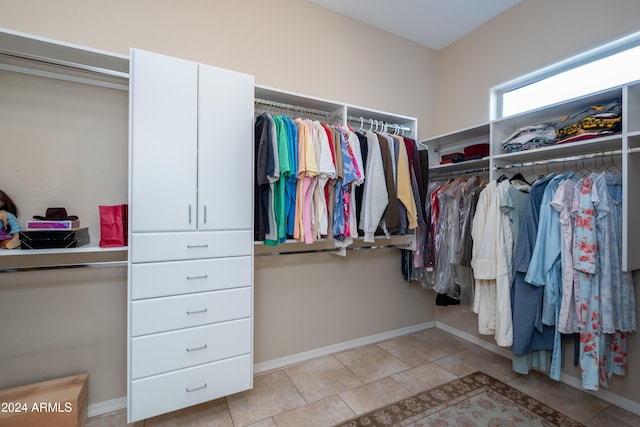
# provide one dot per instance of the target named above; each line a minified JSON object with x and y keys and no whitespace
{"x":599,"y":69}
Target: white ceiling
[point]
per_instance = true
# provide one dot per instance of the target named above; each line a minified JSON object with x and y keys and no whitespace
{"x":431,"y":23}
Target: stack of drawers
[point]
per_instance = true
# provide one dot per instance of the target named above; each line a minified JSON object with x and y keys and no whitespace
{"x":190,"y":319}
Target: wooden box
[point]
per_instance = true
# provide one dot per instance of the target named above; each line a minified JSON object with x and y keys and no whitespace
{"x":60,"y":402}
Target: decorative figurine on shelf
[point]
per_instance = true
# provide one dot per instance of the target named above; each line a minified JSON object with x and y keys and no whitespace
{"x":9,"y":225}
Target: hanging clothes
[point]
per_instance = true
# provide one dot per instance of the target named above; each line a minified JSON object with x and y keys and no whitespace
{"x":280,"y":199}
{"x":292,"y":177}
{"x":375,"y":195}
{"x":545,"y":267}
{"x":568,"y":319}
{"x":391,"y":220}
{"x":601,"y":282}
{"x":326,"y":173}
{"x":311,"y":182}
{"x":444,"y":239}
{"x":483,"y":260}
{"x":532,"y":340}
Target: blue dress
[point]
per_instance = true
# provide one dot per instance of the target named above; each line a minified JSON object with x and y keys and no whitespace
{"x":545,"y":267}
{"x":529,"y":334}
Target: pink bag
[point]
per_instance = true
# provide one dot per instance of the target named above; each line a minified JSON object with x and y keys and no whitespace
{"x":113,"y":226}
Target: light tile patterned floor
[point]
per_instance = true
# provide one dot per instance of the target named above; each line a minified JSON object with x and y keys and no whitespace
{"x":332,"y":389}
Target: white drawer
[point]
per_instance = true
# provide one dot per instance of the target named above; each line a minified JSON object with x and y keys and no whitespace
{"x":176,"y":312}
{"x":181,"y":277}
{"x":169,"y":392}
{"x":169,"y":351}
{"x":149,"y":247}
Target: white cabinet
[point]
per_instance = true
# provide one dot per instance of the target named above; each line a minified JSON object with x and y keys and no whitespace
{"x":190,"y":314}
{"x":164,"y":142}
{"x":189,"y":132}
{"x":225,"y":181}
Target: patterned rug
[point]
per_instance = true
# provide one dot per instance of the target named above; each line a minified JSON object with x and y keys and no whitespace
{"x":474,"y":400}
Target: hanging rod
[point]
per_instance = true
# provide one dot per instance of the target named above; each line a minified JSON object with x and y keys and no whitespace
{"x":64,"y":266}
{"x":338,"y":249}
{"x":564,"y":159}
{"x":309,"y":251}
{"x":365,"y":248}
{"x":437,"y":175}
{"x":397,"y":126}
{"x":64,"y":64}
{"x":296,"y":108}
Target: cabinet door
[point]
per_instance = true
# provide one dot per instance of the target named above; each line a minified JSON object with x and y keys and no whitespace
{"x":225,"y":155}
{"x":163,"y":120}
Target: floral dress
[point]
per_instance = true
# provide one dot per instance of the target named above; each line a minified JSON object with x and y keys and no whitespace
{"x":585,"y":260}
{"x":616,"y":287}
{"x":603,"y":346}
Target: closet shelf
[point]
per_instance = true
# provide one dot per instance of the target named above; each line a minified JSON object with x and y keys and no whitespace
{"x":91,"y":254}
{"x":607,"y":143}
{"x":459,"y":139}
{"x":619,"y":149}
{"x":47,"y":58}
{"x":461,"y":166}
{"x":407,"y":241}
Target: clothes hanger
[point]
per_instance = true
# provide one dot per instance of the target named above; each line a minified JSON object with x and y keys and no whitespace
{"x":519,"y":177}
{"x":361,"y":124}
{"x":614,"y":165}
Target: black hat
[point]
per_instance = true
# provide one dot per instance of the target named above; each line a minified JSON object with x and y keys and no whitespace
{"x":56,"y":214}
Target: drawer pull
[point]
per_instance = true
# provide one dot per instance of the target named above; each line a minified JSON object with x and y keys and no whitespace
{"x":197,"y":246}
{"x":202,"y":347}
{"x":189,"y":390}
{"x":204,"y":276}
{"x":204,"y":310}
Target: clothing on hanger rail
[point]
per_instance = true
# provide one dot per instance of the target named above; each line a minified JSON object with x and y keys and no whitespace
{"x":336,"y":186}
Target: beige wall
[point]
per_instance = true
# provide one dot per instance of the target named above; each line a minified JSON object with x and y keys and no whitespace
{"x":287,"y":44}
{"x":531,"y":35}
{"x":56,"y":322}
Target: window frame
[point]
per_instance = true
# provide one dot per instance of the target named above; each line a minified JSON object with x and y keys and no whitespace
{"x":497,"y":93}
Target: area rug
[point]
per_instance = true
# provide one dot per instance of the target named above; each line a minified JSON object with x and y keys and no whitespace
{"x":474,"y":400}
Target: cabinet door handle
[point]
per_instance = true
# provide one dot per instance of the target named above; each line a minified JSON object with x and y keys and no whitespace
{"x":205,"y":214}
{"x":189,"y":390}
{"x":204,"y":276}
{"x":197,"y":246}
{"x":202,"y":347}
{"x":204,"y":310}
{"x":189,"y":214}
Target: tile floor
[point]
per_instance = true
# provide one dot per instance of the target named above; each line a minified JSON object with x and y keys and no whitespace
{"x":332,"y":389}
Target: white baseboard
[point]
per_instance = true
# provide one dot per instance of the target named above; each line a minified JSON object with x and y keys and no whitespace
{"x":105,"y":407}
{"x":604,"y":394}
{"x":346,"y":345}
{"x":570,"y":380}
{"x":100,"y":408}
{"x":474,"y":340}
